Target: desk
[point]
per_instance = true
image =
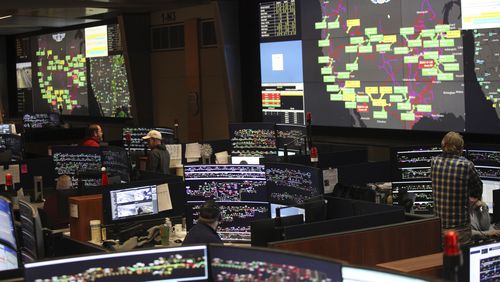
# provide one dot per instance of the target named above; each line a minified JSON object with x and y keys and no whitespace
{"x":427,"y":266}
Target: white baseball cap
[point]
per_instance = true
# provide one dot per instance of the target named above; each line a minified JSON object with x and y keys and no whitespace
{"x":153,"y":134}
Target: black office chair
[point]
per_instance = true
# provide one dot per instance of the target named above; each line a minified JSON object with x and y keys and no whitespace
{"x":32,"y":247}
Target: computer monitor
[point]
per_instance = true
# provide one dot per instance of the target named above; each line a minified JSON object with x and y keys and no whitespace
{"x":252,"y":139}
{"x":235,"y":218}
{"x":413,"y":163}
{"x":290,"y":136}
{"x":136,"y":134}
{"x":358,"y":274}
{"x":41,"y":120}
{"x":142,"y":200}
{"x":8,"y":258}
{"x":77,"y":160}
{"x":7,"y":228}
{"x":414,"y":195}
{"x":278,"y":210}
{"x":7,"y":128}
{"x":292,"y":184}
{"x":11,"y":146}
{"x":488,"y":187}
{"x":229,"y":183}
{"x":483,"y":262}
{"x":160,"y":264}
{"x":258,"y":264}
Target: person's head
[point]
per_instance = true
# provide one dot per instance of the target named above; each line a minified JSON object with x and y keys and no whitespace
{"x":452,"y":143}
{"x":64,"y":182}
{"x":209,"y":214}
{"x":95,"y":131}
{"x":153,"y":138}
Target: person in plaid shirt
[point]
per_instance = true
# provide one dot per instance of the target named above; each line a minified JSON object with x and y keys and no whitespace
{"x":454,"y":179}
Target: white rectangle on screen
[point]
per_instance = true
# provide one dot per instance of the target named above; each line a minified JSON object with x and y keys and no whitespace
{"x":480,"y":14}
{"x":277,"y":60}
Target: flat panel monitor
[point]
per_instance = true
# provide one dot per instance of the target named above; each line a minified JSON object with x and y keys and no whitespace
{"x":8,"y":258}
{"x":136,"y":201}
{"x":161,"y":264}
{"x":486,"y":160}
{"x":75,"y":161}
{"x":136,"y":134}
{"x":11,"y":145}
{"x":7,"y":128}
{"x":7,"y":228}
{"x":258,"y":264}
{"x":483,"y":261}
{"x":356,"y":274}
{"x":293,"y":184}
{"x":229,"y":183}
{"x":413,"y":163}
{"x":291,"y":136}
{"x":414,"y":195}
{"x":252,"y":139}
{"x":235,"y":218}
{"x":41,"y":120}
{"x":488,"y":187}
{"x":284,"y":211}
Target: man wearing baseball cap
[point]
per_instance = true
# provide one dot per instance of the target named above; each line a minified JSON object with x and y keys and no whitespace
{"x":158,"y":156}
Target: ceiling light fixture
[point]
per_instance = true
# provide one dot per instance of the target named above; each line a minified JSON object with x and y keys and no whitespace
{"x":5,"y":17}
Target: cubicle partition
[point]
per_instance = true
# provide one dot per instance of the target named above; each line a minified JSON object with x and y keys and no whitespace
{"x":374,"y":245}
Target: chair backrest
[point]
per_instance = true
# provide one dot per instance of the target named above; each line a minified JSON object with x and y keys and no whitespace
{"x":32,"y":246}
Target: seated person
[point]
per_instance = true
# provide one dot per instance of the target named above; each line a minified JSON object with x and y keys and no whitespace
{"x":94,"y":136}
{"x":204,"y":231}
{"x":480,"y":218}
{"x":56,"y":205}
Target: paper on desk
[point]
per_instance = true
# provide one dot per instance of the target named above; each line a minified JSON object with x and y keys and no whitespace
{"x":73,"y":210}
{"x":164,"y":201}
{"x":193,"y":151}
{"x":222,"y":157}
{"x":330,"y":179}
{"x":14,"y":170}
{"x":175,"y":152}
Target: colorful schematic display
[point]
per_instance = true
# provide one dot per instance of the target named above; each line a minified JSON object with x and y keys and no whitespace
{"x":235,"y":218}
{"x":245,"y":264}
{"x":61,"y":73}
{"x":291,"y":184}
{"x":78,"y":72}
{"x":393,"y":65}
{"x":376,"y":64}
{"x":252,"y":139}
{"x":232,"y":183}
{"x":108,"y":81}
{"x":172,"y":264}
{"x":486,"y":61}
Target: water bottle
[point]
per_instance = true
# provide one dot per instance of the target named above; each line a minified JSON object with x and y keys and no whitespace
{"x":165,"y":232}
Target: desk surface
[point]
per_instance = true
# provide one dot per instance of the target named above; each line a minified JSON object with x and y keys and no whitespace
{"x":429,"y":265}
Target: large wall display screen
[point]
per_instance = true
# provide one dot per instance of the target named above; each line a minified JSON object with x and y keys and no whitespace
{"x":81,"y":72}
{"x":389,"y":64}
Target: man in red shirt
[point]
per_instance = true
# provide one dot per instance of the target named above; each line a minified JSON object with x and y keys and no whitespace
{"x":94,"y":136}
